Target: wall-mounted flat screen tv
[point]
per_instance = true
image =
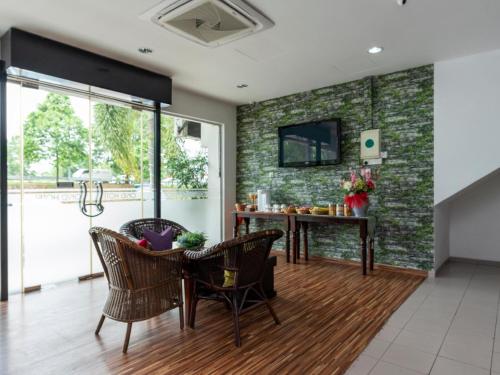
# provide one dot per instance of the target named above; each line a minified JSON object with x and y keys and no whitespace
{"x":310,"y":144}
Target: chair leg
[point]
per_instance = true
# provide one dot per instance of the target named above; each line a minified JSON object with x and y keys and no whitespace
{"x":236,"y":321}
{"x":127,"y":337}
{"x":99,"y":325}
{"x":181,"y":316}
{"x":192,"y":314}
{"x":181,"y":306}
{"x":268,"y":304}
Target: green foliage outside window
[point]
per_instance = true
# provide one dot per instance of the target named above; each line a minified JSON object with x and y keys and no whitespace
{"x":121,"y":141}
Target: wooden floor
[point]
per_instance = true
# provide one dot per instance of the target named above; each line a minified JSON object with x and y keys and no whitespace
{"x":329,"y":312}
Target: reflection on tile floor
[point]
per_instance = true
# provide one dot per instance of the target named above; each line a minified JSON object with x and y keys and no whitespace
{"x":449,"y":326}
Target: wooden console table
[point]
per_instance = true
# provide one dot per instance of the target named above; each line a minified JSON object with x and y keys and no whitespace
{"x":293,"y":223}
{"x":297,"y":221}
{"x":246,"y":216}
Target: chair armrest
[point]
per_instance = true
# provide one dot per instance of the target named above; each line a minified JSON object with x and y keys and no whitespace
{"x":233,"y":269}
{"x":195,"y":255}
{"x":156,"y":253}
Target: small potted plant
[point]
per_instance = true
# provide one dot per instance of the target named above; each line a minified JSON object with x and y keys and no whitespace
{"x":192,"y":240}
{"x":356,"y":191}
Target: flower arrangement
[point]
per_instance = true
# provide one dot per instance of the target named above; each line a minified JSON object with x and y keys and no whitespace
{"x":356,"y":189}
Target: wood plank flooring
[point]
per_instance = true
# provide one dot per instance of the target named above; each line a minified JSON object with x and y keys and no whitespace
{"x":328,"y":312}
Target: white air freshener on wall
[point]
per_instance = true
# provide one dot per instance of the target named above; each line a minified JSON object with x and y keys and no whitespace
{"x":370,"y":144}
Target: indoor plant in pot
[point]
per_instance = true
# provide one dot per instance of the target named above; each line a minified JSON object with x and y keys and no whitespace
{"x":356,"y":191}
{"x":192,"y":240}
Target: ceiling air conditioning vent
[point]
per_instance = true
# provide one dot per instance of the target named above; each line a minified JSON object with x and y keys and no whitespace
{"x":209,"y":22}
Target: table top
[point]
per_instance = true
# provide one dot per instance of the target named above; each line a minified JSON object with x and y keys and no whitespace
{"x":301,"y":217}
{"x":260,"y":213}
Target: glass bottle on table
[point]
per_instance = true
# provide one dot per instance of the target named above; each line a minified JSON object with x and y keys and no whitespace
{"x":332,"y":209}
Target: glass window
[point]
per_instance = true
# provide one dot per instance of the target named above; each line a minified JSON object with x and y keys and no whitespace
{"x":190,"y":175}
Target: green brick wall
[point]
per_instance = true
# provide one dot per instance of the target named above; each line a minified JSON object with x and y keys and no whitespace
{"x":403,"y":201}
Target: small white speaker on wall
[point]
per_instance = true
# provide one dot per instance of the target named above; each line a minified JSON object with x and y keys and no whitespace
{"x":370,"y":144}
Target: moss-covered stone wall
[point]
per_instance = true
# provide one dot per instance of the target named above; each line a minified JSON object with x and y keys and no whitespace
{"x":403,"y":201}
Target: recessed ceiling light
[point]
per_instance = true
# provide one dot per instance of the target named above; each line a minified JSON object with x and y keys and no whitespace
{"x":145,"y":50}
{"x":242,"y":86}
{"x":375,"y":49}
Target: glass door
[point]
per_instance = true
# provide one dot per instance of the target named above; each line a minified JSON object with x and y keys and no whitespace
{"x":14,"y":185}
{"x":122,"y":162}
{"x":49,"y":143}
{"x":59,"y":145}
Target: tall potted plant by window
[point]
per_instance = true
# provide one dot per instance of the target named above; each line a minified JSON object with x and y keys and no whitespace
{"x":356,"y":191}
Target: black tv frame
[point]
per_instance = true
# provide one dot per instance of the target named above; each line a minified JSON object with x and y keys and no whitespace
{"x":317,"y":163}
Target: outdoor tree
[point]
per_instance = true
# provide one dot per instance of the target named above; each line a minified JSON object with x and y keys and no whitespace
{"x":122,"y":141}
{"x":118,"y":129}
{"x":187,"y":172}
{"x":53,"y":132}
{"x":13,"y":157}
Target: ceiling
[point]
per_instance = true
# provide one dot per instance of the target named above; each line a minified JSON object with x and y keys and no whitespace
{"x":315,"y":43}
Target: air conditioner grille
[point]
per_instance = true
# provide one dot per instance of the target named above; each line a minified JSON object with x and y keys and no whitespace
{"x":209,"y":22}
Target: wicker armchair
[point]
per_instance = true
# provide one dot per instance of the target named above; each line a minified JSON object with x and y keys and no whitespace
{"x":134,"y":229}
{"x":142,"y":283}
{"x":229,"y":271}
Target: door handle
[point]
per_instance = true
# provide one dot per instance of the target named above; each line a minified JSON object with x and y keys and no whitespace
{"x":97,"y":202}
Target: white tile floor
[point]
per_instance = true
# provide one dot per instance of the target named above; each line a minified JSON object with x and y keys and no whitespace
{"x":449,"y":326}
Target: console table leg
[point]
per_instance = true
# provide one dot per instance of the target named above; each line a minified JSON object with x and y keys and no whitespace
{"x":298,"y":241}
{"x":293,"y":227}
{"x":372,"y":253}
{"x":294,"y":247}
{"x":306,"y":242}
{"x":363,"y":254}
{"x":247,"y":225}
{"x":363,"y":233}
{"x":287,"y":245}
{"x":235,"y":225}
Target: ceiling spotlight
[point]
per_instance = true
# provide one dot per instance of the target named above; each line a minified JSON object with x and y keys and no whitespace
{"x":242,"y":86}
{"x":375,"y":49}
{"x":145,"y":50}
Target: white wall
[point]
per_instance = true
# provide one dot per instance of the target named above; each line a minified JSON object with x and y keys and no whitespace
{"x":466,"y":122}
{"x":196,"y":106}
{"x":474,"y":221}
{"x":466,"y":134}
{"x":441,"y":234}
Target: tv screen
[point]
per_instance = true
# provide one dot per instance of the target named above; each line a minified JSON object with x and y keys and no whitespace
{"x":310,"y":144}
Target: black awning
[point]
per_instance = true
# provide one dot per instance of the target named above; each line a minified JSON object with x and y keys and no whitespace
{"x":28,"y":51}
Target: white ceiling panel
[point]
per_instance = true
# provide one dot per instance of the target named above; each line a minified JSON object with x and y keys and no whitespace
{"x":314,"y":43}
